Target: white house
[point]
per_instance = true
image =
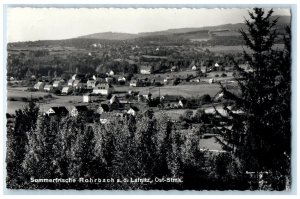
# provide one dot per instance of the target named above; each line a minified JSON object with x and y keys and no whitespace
{"x":71,"y":82}
{"x":61,"y":110}
{"x":39,"y":86}
{"x":103,"y":89}
{"x":48,"y":87}
{"x":194,"y":67}
{"x":66,"y":90}
{"x":56,"y":84}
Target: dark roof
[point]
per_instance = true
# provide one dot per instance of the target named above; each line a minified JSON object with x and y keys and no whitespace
{"x":60,"y":110}
{"x":134,"y":108}
{"x":81,"y":108}
{"x":105,"y":107}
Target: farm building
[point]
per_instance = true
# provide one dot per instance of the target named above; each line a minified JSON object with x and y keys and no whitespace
{"x":39,"y":86}
{"x":48,"y":87}
{"x":60,"y":111}
{"x":56,"y":84}
{"x":91,"y":83}
{"x":146,"y":69}
{"x":66,"y":90}
{"x":71,"y":82}
{"x":76,"y":110}
{"x":103,"y":89}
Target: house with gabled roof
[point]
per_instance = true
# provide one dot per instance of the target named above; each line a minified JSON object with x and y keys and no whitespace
{"x":48,"y":88}
{"x":76,"y":110}
{"x":103,"y":89}
{"x":91,"y":83}
{"x":66,"y":90}
{"x":56,"y":84}
{"x":71,"y":82}
{"x":39,"y":86}
{"x":59,"y":111}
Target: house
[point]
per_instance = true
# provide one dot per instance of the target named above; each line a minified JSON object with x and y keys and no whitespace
{"x":132,"y":111}
{"x":91,"y":83}
{"x":76,"y":110}
{"x":103,"y":108}
{"x":39,"y":86}
{"x":114,"y":103}
{"x":48,"y":87}
{"x":56,"y":84}
{"x":135,"y":83}
{"x":60,"y":111}
{"x":194,"y":67}
{"x":103,"y":89}
{"x":66,"y":90}
{"x":146,"y":69}
{"x":71,"y":82}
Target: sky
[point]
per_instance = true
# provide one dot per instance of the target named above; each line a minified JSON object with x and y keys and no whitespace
{"x":30,"y":24}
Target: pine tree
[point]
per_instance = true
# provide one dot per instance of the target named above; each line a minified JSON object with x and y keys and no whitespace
{"x":25,"y":121}
{"x":257,"y":128}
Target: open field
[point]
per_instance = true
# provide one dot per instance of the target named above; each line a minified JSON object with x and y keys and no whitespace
{"x":19,"y":92}
{"x":235,"y":49}
{"x":183,"y":90}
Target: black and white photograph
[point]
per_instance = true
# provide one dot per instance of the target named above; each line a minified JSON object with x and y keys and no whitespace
{"x":186,"y":99}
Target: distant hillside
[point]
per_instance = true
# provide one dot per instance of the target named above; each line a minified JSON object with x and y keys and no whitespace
{"x":187,"y":33}
{"x":111,"y":36}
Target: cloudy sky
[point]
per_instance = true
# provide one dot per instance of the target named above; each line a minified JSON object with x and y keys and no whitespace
{"x":29,"y":24}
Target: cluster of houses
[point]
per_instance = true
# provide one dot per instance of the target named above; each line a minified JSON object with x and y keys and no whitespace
{"x":98,"y":85}
{"x":107,"y":110}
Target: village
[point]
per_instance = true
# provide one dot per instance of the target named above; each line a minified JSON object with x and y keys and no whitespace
{"x":111,"y":95}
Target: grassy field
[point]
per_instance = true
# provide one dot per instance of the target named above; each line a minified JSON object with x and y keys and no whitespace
{"x":183,"y":90}
{"x":19,"y":92}
{"x":236,"y":49}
